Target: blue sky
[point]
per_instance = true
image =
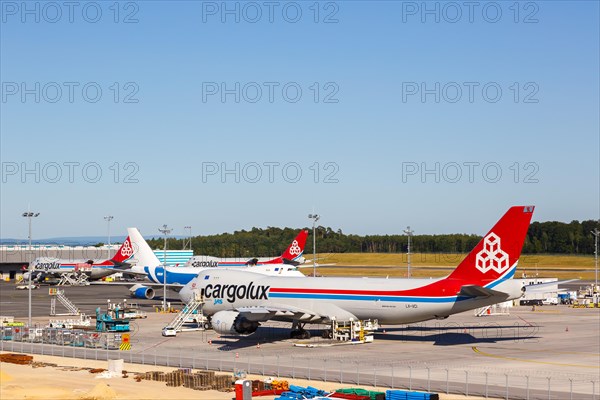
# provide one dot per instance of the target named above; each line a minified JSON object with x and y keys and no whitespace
{"x":387,"y":93}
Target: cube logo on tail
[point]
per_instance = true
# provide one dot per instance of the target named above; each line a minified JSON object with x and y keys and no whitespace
{"x":492,"y":257}
{"x":496,"y":256}
{"x":125,"y":251}
{"x":295,"y":250}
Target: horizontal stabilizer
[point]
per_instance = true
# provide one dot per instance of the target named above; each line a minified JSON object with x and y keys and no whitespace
{"x":541,"y":287}
{"x":478,"y":291}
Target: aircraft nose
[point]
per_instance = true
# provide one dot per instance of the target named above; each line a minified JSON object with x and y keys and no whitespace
{"x":185,"y":294}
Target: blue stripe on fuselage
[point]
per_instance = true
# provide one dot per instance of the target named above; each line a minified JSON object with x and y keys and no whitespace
{"x":369,"y":298}
{"x":406,"y":299}
{"x":172,"y":277}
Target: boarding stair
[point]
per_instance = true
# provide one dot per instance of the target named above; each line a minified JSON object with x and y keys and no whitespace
{"x":188,"y":313}
{"x":73,"y":279}
{"x":68,"y":304}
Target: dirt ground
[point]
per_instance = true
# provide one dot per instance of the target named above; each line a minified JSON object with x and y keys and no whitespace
{"x":65,"y":382}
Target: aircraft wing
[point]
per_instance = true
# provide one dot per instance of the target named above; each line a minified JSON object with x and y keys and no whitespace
{"x":479,"y":291}
{"x":540,"y":287}
{"x":324,"y":313}
{"x":174,"y":286}
{"x":124,"y":271}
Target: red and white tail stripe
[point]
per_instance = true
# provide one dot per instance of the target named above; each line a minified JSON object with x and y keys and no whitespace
{"x":499,"y":250}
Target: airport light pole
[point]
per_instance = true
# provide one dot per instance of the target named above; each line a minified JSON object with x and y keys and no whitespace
{"x":165,"y":231}
{"x":595,"y":232}
{"x":30,"y":215}
{"x":188,"y":241}
{"x":409,"y":233}
{"x":315,"y":218}
{"x":108,"y":218}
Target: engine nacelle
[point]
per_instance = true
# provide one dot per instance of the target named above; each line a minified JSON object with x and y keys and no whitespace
{"x":142,"y":292}
{"x":36,"y":276}
{"x":231,"y":322}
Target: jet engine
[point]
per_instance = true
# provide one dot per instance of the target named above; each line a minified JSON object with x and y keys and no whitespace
{"x":36,"y":276}
{"x":231,"y":322}
{"x":142,"y":292}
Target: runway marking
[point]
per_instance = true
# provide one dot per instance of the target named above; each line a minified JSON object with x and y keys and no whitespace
{"x":476,"y":350}
{"x":154,"y":345}
{"x":524,"y":320}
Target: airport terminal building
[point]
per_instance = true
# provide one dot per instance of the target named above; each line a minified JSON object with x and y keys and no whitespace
{"x":15,"y":258}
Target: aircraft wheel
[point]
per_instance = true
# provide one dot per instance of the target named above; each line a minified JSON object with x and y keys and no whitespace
{"x":304,"y":334}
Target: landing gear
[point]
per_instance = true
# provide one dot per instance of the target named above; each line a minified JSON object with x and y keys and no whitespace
{"x":327,"y":334}
{"x":300,"y":334}
{"x":298,"y":331}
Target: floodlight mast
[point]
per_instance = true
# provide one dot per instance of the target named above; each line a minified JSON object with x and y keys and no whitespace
{"x":187,"y":242}
{"x":108,"y":218}
{"x":165,"y":231}
{"x":29,"y":215}
{"x":315,"y":218}
{"x":595,"y":232}
{"x":409,"y":232}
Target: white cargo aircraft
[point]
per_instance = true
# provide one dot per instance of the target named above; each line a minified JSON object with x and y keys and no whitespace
{"x":238,"y":301}
{"x":292,"y":255}
{"x":48,"y":269}
{"x":148,"y":265}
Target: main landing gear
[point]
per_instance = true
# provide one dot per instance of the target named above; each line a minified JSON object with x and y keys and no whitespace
{"x":298,"y":331}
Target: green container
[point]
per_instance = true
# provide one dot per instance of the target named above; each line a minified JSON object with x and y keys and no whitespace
{"x":360,"y":392}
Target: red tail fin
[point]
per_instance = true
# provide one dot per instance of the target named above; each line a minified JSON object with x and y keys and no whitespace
{"x":124,"y":252}
{"x":498,"y":252}
{"x":296,"y":249}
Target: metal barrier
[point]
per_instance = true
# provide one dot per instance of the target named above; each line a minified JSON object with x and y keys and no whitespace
{"x":466,"y":380}
{"x":61,"y":337}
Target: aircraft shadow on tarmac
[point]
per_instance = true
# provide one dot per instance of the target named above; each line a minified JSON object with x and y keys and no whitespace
{"x":459,"y":335}
{"x":265,"y":334}
{"x":438,"y":336}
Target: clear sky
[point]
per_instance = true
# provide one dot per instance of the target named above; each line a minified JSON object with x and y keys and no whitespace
{"x":224,"y":116}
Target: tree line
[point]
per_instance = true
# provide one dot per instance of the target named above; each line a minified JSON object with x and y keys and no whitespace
{"x":543,"y":237}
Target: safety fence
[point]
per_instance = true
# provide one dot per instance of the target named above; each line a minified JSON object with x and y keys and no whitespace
{"x":465,"y":380}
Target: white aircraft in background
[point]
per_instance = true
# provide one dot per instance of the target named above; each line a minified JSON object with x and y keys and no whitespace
{"x":292,"y":255}
{"x":238,"y":301}
{"x":148,"y":265}
{"x":49,"y":269}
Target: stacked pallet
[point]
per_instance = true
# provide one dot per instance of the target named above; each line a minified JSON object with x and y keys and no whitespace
{"x":174,"y":378}
{"x":21,"y":359}
{"x":202,"y":380}
{"x":155,"y":376}
{"x":222,"y":383}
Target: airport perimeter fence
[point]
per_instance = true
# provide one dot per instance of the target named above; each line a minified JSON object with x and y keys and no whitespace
{"x":463,"y":380}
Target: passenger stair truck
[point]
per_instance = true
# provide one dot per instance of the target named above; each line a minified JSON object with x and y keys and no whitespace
{"x":189,"y":314}
{"x":68,"y":304}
